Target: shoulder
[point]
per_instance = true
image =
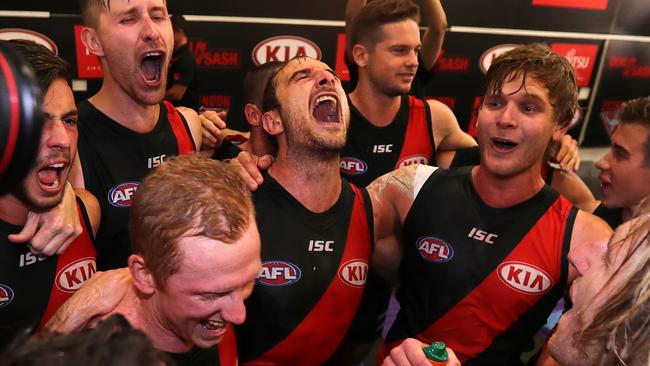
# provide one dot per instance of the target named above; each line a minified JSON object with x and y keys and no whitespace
{"x":193,"y":120}
{"x":92,"y":207}
{"x":588,"y":241}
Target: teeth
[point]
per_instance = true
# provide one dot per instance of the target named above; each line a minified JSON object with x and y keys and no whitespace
{"x":149,"y":54}
{"x":214,"y":324}
{"x":324,"y":98}
{"x":56,"y":166}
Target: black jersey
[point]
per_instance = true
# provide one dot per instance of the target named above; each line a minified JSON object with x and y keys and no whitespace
{"x":114,"y":160}
{"x":314,"y":268}
{"x":372,"y":151}
{"x":482,"y":279}
{"x":613,"y":216}
{"x":184,"y":71}
{"x":32,"y":288}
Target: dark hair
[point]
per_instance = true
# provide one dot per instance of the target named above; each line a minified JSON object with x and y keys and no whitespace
{"x":638,"y":111}
{"x":256,"y":80}
{"x":46,"y":65}
{"x":90,"y":10}
{"x":547,"y":67}
{"x":179,"y":23}
{"x":366,"y":26}
{"x":113,"y":342}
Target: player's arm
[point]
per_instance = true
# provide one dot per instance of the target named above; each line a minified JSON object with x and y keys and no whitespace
{"x":436,"y":19}
{"x":92,"y":208}
{"x":571,"y":186}
{"x":195,"y":122}
{"x":447,"y":134}
{"x":588,"y":242}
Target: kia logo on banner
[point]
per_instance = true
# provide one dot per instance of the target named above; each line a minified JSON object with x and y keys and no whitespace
{"x":283,"y":48}
{"x":488,"y":56}
{"x":16,"y":33}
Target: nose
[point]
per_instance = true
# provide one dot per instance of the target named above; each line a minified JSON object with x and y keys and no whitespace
{"x":507,"y":118}
{"x":235,"y":310}
{"x":56,"y":135}
{"x":603,"y":163}
{"x":413,"y":58}
{"x":326,"y":78}
{"x":150,"y":31}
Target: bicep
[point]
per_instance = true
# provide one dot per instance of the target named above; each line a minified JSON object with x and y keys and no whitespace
{"x":194,"y":122}
{"x":588,"y":242}
{"x":447,"y":134}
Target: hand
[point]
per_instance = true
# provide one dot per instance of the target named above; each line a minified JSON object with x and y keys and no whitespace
{"x":567,"y":156}
{"x":51,"y":232}
{"x":410,"y":352}
{"x":97,"y":297}
{"x":250,"y":166}
{"x":212,"y":123}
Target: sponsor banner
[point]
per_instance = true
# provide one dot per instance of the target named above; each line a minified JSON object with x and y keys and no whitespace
{"x":30,"y":35}
{"x":577,"y":4}
{"x":451,"y":63}
{"x":88,"y":65}
{"x":283,"y":48}
{"x":581,"y":56}
{"x":488,"y":56}
{"x":214,"y":58}
{"x":216,"y":101}
{"x":341,"y":67}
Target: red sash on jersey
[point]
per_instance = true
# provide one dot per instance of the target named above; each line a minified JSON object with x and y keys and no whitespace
{"x":418,"y":146}
{"x":73,"y":268}
{"x":322,"y":330}
{"x":180,"y":129}
{"x":228,"y":348}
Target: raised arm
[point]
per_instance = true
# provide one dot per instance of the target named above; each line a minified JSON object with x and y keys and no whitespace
{"x":436,"y":19}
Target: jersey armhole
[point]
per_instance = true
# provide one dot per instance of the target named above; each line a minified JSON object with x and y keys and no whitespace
{"x":427,"y":109}
{"x":367,"y":204}
{"x":173,"y":111}
{"x":85,"y":219}
{"x":422,"y":173}
{"x":566,"y":244}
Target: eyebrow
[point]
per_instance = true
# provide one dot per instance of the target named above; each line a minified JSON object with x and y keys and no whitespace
{"x":72,"y":112}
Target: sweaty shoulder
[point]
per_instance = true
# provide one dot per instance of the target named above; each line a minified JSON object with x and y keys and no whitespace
{"x":194,"y":121}
{"x":588,"y":241}
{"x":92,"y":208}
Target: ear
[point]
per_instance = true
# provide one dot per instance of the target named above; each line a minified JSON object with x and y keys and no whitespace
{"x":360,"y":55}
{"x":253,"y":114}
{"x":272,"y":123}
{"x":90,"y":39}
{"x":142,"y":278}
{"x":560,"y":130}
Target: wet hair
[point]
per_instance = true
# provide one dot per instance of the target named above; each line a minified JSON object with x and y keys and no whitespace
{"x":536,"y":60}
{"x":637,"y":111}
{"x":256,"y":80}
{"x":187,"y":195}
{"x":47,"y":66}
{"x":90,"y":10}
{"x":366,"y":26}
{"x":113,"y":342}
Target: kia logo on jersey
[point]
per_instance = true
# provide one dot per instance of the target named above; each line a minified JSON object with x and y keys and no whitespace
{"x":413,"y":159}
{"x":122,"y":194}
{"x":29,"y":35}
{"x":524,"y":277}
{"x":6,"y":295}
{"x":354,"y":272}
{"x":70,"y":278}
{"x":278,"y":273}
{"x":353,"y":166}
{"x":284,"y":48}
{"x":434,"y":249}
{"x":488,"y":56}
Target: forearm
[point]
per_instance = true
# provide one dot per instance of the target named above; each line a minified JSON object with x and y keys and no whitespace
{"x":436,"y":20}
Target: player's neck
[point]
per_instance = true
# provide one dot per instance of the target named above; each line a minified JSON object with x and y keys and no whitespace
{"x":314,"y":181}
{"x":500,"y":192}
{"x":377,"y":107}
{"x":120,"y":107}
{"x":13,"y":210}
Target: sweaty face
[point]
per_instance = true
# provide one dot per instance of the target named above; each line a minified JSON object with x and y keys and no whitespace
{"x":625,"y":176}
{"x":209,"y":290}
{"x":515,"y":127}
{"x":43,"y":186}
{"x":314,"y":108}
{"x":137,"y":41}
{"x":588,"y":294}
{"x":393,"y":61}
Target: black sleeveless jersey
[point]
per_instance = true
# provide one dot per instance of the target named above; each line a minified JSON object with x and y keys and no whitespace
{"x":613,"y":216}
{"x":114,"y":160}
{"x":372,"y":151}
{"x":314,"y":268}
{"x":482,"y":279}
{"x":32,"y":288}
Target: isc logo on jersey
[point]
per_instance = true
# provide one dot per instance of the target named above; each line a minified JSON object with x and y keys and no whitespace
{"x":6,"y":295}
{"x":524,"y":277}
{"x":353,"y":166}
{"x":434,"y":249}
{"x":413,"y":159}
{"x":278,"y":273}
{"x":122,"y":194}
{"x":70,"y":278}
{"x":354,"y":272}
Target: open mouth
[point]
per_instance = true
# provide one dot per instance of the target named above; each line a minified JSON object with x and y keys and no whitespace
{"x":50,"y":176}
{"x":151,"y":67}
{"x":503,"y":144}
{"x":326,"y":109}
{"x":213,"y":325}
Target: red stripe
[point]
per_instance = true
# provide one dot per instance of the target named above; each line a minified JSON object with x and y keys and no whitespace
{"x":417,"y":142}
{"x":322,"y":330}
{"x":228,"y":348}
{"x":183,"y":137}
{"x":14,"y":115}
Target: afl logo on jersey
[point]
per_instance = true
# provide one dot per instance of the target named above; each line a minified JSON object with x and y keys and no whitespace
{"x":524,"y":277}
{"x":122,"y":194}
{"x":354,"y":272}
{"x":434,"y":249}
{"x":6,"y":295}
{"x":70,"y":278}
{"x":278,"y":273}
{"x":353,"y":166}
{"x":413,"y":159}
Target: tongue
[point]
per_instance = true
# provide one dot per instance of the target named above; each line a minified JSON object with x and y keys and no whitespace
{"x":47,"y":176}
{"x":326,"y":112}
{"x":150,"y":69}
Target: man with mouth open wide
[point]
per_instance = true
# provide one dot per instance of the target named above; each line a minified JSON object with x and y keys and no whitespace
{"x":126,"y":129}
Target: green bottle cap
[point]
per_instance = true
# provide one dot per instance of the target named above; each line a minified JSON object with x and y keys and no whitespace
{"x":436,"y":351}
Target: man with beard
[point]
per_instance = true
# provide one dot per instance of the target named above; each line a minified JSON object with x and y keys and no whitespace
{"x":126,"y":129}
{"x":33,"y":287}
